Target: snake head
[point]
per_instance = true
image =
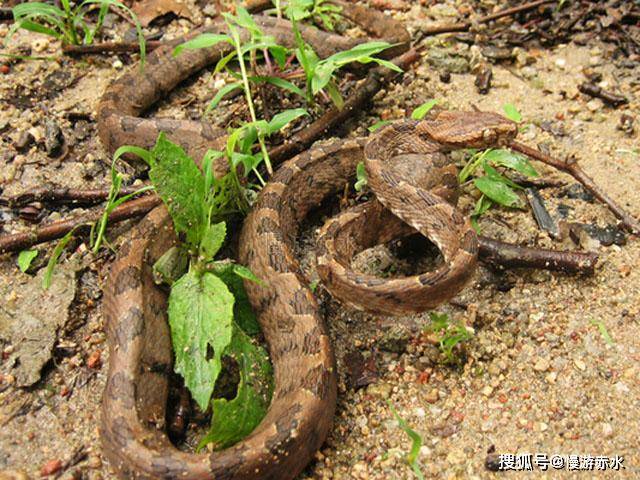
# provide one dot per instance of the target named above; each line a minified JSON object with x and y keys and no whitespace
{"x":470,"y":129}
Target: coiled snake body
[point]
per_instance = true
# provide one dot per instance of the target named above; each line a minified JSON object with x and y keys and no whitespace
{"x":303,"y":403}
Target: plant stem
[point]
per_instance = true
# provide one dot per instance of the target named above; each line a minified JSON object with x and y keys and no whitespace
{"x":247,"y":92}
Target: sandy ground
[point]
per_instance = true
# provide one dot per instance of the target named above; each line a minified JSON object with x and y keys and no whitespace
{"x":538,"y":376}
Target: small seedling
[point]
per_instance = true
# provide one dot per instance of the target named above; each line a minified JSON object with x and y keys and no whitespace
{"x":449,"y":335}
{"x":603,"y":331}
{"x":416,"y":443}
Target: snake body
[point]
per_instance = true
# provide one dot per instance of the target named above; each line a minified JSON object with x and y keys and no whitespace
{"x":416,"y":188}
{"x":303,"y":402}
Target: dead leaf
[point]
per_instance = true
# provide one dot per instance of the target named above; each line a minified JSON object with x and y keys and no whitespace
{"x":30,"y":318}
{"x":148,"y":10}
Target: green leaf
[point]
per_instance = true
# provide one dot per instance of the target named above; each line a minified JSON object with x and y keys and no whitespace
{"x":512,"y":112}
{"x":230,"y":87}
{"x":244,"y":272}
{"x":378,"y":125}
{"x":482,"y":205}
{"x":25,"y":257}
{"x":212,"y":240}
{"x":361,"y":177}
{"x":335,"y":95}
{"x":283,"y":118}
{"x":498,"y":192}
{"x":204,"y":40}
{"x":416,"y":443}
{"x":493,"y":174}
{"x":243,"y":314}
{"x":181,"y":187}
{"x":55,"y":256}
{"x":603,"y":331}
{"x":201,"y":320}
{"x":171,"y":266}
{"x":235,"y":419}
{"x":420,"y":112}
{"x":511,"y":160}
{"x":280,"y":83}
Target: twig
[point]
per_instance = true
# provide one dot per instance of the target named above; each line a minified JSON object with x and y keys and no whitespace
{"x":110,"y":47}
{"x":572,"y":168}
{"x":53,"y":231}
{"x":608,"y":97}
{"x":66,"y":195}
{"x":465,"y":26}
{"x":509,"y":255}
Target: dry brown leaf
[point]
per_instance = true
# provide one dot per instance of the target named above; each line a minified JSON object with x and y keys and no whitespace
{"x":149,"y":10}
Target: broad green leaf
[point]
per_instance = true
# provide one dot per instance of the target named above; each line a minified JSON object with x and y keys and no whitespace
{"x":283,"y":118}
{"x":201,"y":320}
{"x":244,"y":19}
{"x":181,"y":187}
{"x":498,"y":192}
{"x":512,"y":112}
{"x":204,"y":40}
{"x":235,"y":419}
{"x":243,"y":314}
{"x":378,"y":125}
{"x":172,"y":265}
{"x":212,"y":240}
{"x":416,"y":443}
{"x":420,"y":112}
{"x":230,"y":87}
{"x":25,"y":257}
{"x":511,"y":160}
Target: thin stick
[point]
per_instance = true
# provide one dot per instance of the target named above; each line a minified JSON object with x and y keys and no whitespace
{"x":572,"y":168}
{"x":110,"y":47}
{"x":53,"y":231}
{"x":509,"y":255}
{"x":66,"y":195}
{"x":465,"y":26}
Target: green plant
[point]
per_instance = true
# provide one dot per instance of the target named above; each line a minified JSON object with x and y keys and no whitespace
{"x":322,"y":12}
{"x":494,"y":186}
{"x":449,"y":334}
{"x":420,"y":112}
{"x":25,"y":257}
{"x":209,"y":314}
{"x":416,"y":443}
{"x":96,"y":235}
{"x":603,"y":331}
{"x":361,"y":177}
{"x":68,"y":24}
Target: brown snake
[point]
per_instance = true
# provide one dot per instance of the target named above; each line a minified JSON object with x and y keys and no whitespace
{"x":303,"y":402}
{"x":134,"y":401}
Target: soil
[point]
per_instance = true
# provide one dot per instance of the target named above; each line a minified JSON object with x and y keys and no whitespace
{"x":539,"y":375}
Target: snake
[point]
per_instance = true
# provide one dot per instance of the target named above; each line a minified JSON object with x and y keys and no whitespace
{"x":303,"y":403}
{"x":133,"y":421}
